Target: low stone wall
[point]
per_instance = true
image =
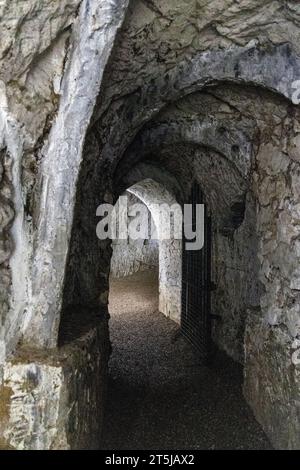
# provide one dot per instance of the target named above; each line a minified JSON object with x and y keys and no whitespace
{"x":54,"y":399}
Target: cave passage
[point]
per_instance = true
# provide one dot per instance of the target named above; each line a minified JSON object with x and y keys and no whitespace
{"x":159,"y":396}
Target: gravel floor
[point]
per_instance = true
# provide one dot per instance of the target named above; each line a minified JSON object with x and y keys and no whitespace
{"x":159,"y":396}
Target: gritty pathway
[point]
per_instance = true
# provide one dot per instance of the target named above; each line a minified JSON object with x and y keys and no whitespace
{"x":159,"y":397}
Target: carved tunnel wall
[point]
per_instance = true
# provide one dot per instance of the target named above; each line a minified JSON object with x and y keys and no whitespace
{"x":187,"y":91}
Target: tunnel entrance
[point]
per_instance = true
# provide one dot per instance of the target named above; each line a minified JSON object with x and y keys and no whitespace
{"x":161,"y":163}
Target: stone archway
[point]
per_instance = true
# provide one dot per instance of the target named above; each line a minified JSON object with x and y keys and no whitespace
{"x":153,"y":194}
{"x":156,"y":197}
{"x":254,"y":67}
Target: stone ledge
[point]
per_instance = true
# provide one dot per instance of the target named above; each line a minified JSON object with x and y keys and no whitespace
{"x":54,"y":399}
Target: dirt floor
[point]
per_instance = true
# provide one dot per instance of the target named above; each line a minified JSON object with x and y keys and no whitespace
{"x":159,"y":396}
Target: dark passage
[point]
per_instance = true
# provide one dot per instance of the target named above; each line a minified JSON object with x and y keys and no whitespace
{"x":159,"y":397}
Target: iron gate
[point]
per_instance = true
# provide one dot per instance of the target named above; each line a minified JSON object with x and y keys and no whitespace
{"x":197,"y":285}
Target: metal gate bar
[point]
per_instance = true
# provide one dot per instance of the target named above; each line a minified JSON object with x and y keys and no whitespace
{"x":196,"y":285}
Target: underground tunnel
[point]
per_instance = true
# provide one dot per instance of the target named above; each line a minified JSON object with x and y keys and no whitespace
{"x":143,"y":344}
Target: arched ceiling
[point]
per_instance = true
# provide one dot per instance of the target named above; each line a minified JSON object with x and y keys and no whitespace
{"x":212,"y":136}
{"x":158,"y":35}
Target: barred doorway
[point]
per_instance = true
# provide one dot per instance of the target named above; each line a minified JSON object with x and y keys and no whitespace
{"x":196,"y":281}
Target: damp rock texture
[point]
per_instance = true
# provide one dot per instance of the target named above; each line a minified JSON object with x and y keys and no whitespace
{"x":98,"y":96}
